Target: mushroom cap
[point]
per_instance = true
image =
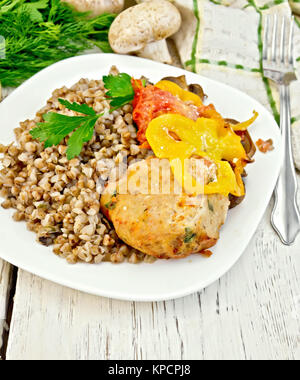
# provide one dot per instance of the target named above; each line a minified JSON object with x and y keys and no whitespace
{"x":144,"y":23}
{"x":97,"y":7}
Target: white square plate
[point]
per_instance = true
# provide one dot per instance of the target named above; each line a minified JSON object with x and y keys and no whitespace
{"x":163,"y":279}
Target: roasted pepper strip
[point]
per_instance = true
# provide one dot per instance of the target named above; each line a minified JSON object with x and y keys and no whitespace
{"x":174,"y":89}
{"x":178,"y":138}
{"x":151,"y":101}
{"x":243,"y":126}
{"x":226,"y":181}
{"x":207,"y":136}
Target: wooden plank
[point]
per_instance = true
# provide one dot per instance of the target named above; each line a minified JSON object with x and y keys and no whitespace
{"x":5,"y":286}
{"x":251,"y":313}
{"x":4,"y":92}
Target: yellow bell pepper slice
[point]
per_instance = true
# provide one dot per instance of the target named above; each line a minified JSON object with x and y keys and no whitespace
{"x":163,"y":143}
{"x":206,"y":136}
{"x":244,"y":126}
{"x":174,"y":89}
{"x":178,"y":138}
{"x":226,"y":181}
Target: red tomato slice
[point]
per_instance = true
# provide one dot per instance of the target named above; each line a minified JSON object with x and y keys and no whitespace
{"x":150,"y":102}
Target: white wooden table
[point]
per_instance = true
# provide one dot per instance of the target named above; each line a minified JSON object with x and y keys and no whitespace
{"x":253,"y":312}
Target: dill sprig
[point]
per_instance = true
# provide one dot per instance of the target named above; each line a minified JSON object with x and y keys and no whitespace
{"x":40,"y":33}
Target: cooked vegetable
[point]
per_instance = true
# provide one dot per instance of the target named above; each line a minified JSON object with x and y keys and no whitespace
{"x":152,"y":101}
{"x":247,"y":141}
{"x":198,"y":90}
{"x":248,"y":144}
{"x":184,"y":95}
{"x":207,"y":138}
{"x":181,"y":82}
{"x":243,"y":126}
{"x":41,"y":33}
{"x":265,"y":146}
{"x":235,"y":201}
{"x":250,"y":150}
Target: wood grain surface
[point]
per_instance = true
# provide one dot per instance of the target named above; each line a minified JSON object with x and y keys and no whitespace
{"x":5,"y":286}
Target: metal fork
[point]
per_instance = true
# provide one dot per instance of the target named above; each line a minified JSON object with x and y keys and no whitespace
{"x":278,"y":64}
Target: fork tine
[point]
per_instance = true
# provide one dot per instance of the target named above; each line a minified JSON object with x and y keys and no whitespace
{"x":266,"y":34}
{"x":274,"y":39}
{"x":283,"y":38}
{"x":291,"y":43}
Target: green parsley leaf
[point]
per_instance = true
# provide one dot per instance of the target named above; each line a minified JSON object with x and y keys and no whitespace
{"x":82,"y":108}
{"x":56,"y":127}
{"x":189,"y":235}
{"x":120,"y":90}
{"x":82,"y":135}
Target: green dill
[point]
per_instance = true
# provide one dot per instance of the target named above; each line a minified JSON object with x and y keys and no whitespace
{"x":40,"y":33}
{"x":189,"y":235}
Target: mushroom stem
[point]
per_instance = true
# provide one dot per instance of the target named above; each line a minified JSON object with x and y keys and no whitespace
{"x":157,"y":51}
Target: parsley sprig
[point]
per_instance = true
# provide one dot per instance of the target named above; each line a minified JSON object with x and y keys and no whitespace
{"x":120,"y":90}
{"x":56,"y":126}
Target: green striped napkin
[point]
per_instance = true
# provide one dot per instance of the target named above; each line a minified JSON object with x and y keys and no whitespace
{"x":223,"y":39}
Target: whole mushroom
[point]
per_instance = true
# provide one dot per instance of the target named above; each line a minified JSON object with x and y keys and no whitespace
{"x":97,"y":7}
{"x":144,"y":28}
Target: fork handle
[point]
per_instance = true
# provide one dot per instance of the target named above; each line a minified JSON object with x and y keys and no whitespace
{"x":286,"y":217}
